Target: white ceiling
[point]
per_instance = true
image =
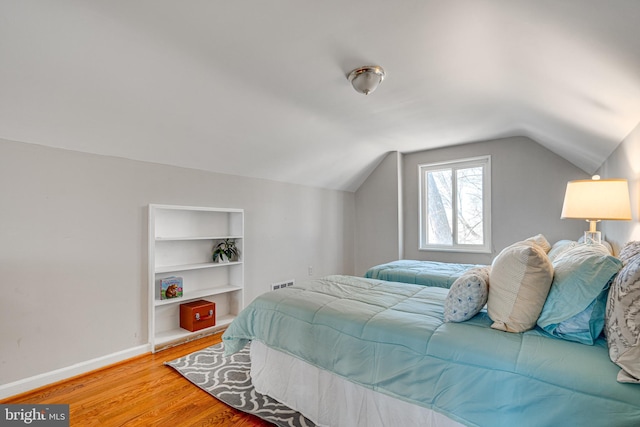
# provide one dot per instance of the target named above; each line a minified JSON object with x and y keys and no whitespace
{"x":259,"y":88}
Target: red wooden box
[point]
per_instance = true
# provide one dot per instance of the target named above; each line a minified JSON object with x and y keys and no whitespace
{"x":196,"y":315}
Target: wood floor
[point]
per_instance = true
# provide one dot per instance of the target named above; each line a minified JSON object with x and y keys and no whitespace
{"x":140,"y":392}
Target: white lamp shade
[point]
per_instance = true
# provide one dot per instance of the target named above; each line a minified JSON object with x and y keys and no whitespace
{"x":606,"y":199}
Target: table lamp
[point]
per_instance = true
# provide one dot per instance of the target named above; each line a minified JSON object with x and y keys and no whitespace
{"x":595,"y":200}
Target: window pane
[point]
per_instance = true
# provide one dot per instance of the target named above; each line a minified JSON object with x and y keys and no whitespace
{"x":455,"y":208}
{"x":439,"y":207}
{"x":469,"y":216}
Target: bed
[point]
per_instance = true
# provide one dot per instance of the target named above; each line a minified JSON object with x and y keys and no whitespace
{"x":350,"y":351}
{"x":426,"y":273}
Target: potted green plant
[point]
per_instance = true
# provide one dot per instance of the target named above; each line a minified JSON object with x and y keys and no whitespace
{"x":226,"y":251}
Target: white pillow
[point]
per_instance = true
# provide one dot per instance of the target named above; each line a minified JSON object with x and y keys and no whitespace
{"x":467,"y":295}
{"x":541,"y":241}
{"x":560,"y":247}
{"x":604,"y":243}
{"x":520,"y":278}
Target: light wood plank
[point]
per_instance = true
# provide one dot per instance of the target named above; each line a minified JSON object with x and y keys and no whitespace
{"x":140,"y":392}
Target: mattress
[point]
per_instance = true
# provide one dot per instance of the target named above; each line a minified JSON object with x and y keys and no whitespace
{"x":390,"y":337}
{"x":329,"y":400}
{"x":426,"y":273}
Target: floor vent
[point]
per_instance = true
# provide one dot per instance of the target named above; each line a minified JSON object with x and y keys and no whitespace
{"x":281,"y":285}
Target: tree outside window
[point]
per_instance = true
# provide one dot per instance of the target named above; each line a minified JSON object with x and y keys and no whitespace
{"x":455,"y":203}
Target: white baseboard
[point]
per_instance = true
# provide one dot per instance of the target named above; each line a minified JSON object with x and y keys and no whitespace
{"x":26,"y":384}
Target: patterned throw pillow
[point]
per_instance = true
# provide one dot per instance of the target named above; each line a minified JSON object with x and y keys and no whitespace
{"x":622,"y":318}
{"x":467,"y":295}
{"x":629,"y":251}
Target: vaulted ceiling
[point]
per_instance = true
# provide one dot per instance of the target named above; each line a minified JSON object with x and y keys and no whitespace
{"x":259,"y":88}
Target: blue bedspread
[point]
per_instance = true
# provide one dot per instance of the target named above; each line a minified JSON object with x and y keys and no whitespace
{"x":390,"y":337}
{"x":426,"y":273}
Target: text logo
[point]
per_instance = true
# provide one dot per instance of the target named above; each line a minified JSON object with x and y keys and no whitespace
{"x":34,"y":415}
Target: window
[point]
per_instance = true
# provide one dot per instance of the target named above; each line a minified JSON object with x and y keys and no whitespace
{"x":455,"y":205}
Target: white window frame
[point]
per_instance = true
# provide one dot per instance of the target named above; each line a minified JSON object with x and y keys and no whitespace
{"x":485,"y":163}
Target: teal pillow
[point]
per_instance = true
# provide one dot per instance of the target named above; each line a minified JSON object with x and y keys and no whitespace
{"x":584,"y":327}
{"x":575,"y":307}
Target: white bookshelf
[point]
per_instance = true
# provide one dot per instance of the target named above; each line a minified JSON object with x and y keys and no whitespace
{"x":181,"y":242}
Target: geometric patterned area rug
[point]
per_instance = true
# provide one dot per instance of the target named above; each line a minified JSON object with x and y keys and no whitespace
{"x":228,"y":380}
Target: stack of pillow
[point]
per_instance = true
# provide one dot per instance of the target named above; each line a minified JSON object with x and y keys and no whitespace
{"x":571,"y":290}
{"x":575,"y":307}
{"x":563,"y":289}
{"x":524,"y":261}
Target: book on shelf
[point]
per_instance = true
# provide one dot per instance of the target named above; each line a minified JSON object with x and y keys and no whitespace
{"x":170,"y":287}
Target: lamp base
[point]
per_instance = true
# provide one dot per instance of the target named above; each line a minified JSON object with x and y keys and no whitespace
{"x":592,"y":238}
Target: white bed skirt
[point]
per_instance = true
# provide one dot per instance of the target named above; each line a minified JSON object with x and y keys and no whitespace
{"x":329,"y":400}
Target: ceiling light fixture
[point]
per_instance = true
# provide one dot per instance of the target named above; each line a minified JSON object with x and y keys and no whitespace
{"x":366,"y":79}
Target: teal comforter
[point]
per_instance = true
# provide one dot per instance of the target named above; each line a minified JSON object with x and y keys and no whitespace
{"x":390,"y":337}
{"x":426,"y":273}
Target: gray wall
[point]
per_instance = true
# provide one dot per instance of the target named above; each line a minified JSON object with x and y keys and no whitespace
{"x":73,"y":233}
{"x":378,"y":215}
{"x":624,"y":162}
{"x":73,"y":255}
{"x":527,"y":190}
{"x":528,"y":184}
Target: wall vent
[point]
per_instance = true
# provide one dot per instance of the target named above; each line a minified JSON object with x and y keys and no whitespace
{"x":282,"y":285}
